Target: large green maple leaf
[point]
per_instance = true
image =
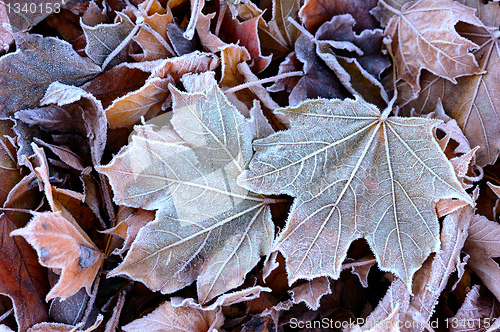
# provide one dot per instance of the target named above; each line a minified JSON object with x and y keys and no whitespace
{"x":354,"y":173}
{"x":207,"y":228}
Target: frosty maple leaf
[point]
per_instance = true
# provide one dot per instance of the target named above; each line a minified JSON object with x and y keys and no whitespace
{"x":207,"y":228}
{"x":354,"y":174}
{"x":474,"y":101}
{"x":423,"y":37}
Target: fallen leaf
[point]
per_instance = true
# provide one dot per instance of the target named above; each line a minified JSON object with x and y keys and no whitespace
{"x":154,"y":41}
{"x":117,"y":82}
{"x":21,"y":277}
{"x":282,"y":11}
{"x":37,"y":62}
{"x":68,"y":103}
{"x":318,"y":80}
{"x":316,"y":12}
{"x":208,"y":40}
{"x":71,"y":310}
{"x":146,"y":102}
{"x":180,"y":43}
{"x":177,"y":319}
{"x":427,"y":28}
{"x":60,"y":245}
{"x":213,"y":243}
{"x":311,"y":292}
{"x":335,"y":192}
{"x":246,"y":34}
{"x":271,"y":37}
{"x":483,"y":245}
{"x":58,"y":327}
{"x":103,"y":39}
{"x":355,"y":59}
{"x":473,"y":101}
{"x":475,"y":314}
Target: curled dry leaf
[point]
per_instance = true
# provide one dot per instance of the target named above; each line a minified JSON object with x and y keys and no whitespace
{"x":207,"y":228}
{"x":246,"y":34}
{"x":72,"y":110}
{"x":393,"y":162}
{"x":177,"y":319}
{"x":154,"y":41}
{"x":434,"y":45}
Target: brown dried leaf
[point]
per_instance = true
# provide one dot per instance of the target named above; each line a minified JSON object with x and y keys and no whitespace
{"x":154,"y":43}
{"x":355,"y":59}
{"x":21,"y":277}
{"x":146,"y":102}
{"x":177,"y":319}
{"x":424,"y":37}
{"x":214,"y":243}
{"x":118,"y":81}
{"x":74,"y":103}
{"x":37,"y":62}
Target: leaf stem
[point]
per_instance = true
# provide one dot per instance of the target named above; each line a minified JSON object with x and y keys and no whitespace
{"x":355,"y":264}
{"x":301,"y":28}
{"x":262,"y":81}
{"x":6,"y":314}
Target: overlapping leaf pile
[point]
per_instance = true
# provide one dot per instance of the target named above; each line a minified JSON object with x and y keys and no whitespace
{"x":175,"y":165}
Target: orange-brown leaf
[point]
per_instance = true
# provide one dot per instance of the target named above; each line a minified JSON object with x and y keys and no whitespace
{"x":60,"y":245}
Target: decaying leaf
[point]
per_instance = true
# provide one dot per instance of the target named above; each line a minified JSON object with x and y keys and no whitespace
{"x":39,"y":61}
{"x":474,"y":314}
{"x":354,"y":174}
{"x":424,"y":37}
{"x":207,"y":228}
